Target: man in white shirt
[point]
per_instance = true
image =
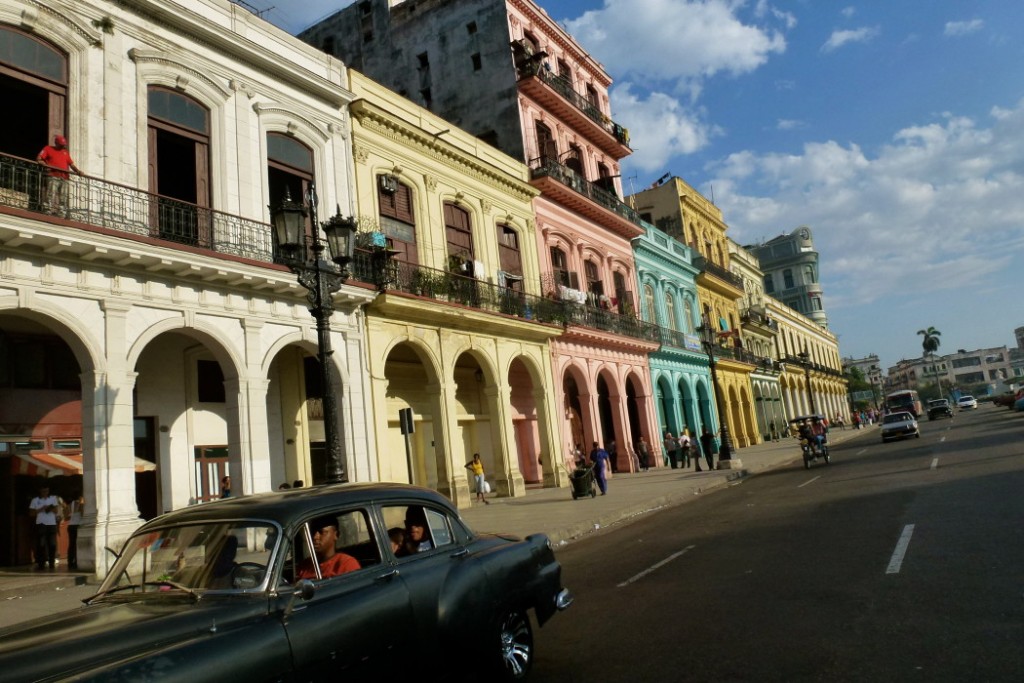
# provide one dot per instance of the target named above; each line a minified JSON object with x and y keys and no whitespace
{"x":46,"y":508}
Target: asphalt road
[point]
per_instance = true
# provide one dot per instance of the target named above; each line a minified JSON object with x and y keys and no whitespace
{"x":897,"y":562}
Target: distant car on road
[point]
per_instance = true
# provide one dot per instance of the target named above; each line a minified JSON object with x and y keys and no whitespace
{"x":350,"y":582}
{"x":967,"y":402}
{"x":939,"y":408}
{"x":900,"y":425}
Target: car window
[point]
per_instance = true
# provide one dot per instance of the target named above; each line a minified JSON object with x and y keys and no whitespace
{"x":337,"y":543}
{"x":414,"y":529}
{"x":201,"y":556}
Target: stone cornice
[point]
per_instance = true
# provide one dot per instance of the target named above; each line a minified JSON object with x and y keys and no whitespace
{"x":199,"y":29}
{"x":379,"y":121}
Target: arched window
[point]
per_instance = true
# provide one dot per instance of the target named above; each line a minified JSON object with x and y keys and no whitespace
{"x":670,"y":312}
{"x":510,"y":258}
{"x":688,"y":310}
{"x":459,"y":238}
{"x":289,"y":171}
{"x":547,"y":148}
{"x":179,"y":166}
{"x":574,"y":160}
{"x":34,"y":85}
{"x":397,"y":220}
{"x":649,"y":311}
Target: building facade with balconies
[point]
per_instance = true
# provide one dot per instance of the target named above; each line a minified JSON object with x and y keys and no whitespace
{"x":680,"y":375}
{"x":507,"y":73}
{"x":150,"y":339}
{"x":790,"y":266}
{"x":459,"y":333}
{"x":759,"y":331}
{"x":812,"y":379}
{"x":679,"y":210}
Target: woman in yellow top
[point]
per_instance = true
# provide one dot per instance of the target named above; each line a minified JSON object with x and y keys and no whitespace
{"x":476,"y":466}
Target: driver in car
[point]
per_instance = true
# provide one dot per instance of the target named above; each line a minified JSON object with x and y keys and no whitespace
{"x":332,"y":563}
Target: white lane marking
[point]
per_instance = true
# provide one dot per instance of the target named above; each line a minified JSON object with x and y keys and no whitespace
{"x":809,"y":481}
{"x":901,"y":549}
{"x":942,"y":438}
{"x":861,"y":451}
{"x":656,"y":566}
{"x":935,"y":463}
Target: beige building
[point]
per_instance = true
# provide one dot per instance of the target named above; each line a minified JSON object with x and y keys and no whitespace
{"x":812,"y":380}
{"x":458,"y":333}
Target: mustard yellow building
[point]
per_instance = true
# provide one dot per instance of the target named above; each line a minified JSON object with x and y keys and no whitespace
{"x":457,"y":334}
{"x":682,"y":212}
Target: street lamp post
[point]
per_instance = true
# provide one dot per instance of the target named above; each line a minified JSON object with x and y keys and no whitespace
{"x":322,"y":279}
{"x":805,"y":359}
{"x":707,"y":335}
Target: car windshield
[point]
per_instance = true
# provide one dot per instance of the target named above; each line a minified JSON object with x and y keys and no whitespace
{"x":897,"y":417}
{"x":219,"y":555}
{"x":966,"y":398}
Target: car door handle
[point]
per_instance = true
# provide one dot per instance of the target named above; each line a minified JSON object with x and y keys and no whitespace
{"x":461,"y":552}
{"x":388,"y":576}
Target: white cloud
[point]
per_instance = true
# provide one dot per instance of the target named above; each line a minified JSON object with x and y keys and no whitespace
{"x":840,"y":38}
{"x":660,"y":127}
{"x":789,"y":124}
{"x":963,"y":28}
{"x":918,"y":217}
{"x":681,"y":42}
{"x":848,"y":12}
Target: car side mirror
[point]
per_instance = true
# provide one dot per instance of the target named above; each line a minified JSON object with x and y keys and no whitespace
{"x":306,"y":589}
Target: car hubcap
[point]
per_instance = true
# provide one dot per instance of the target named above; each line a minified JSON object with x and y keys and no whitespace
{"x":516,"y":644}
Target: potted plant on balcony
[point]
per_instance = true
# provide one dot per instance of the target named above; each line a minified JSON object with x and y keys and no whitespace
{"x":369,"y":234}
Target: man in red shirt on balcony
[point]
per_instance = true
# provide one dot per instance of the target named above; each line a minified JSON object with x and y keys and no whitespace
{"x":58,"y":161}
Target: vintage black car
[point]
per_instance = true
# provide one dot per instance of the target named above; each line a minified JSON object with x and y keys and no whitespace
{"x":239,"y":590}
{"x":939,"y":408}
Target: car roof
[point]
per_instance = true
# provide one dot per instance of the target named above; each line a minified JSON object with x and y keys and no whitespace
{"x":289,"y":507}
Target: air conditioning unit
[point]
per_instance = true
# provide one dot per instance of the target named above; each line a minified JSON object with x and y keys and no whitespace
{"x":389,"y":184}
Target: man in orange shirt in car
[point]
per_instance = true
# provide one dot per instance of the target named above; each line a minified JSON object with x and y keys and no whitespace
{"x":332,"y":563}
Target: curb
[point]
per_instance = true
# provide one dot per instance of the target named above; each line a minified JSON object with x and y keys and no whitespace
{"x":17,"y":585}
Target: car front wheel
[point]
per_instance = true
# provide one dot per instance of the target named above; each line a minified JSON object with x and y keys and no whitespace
{"x":515,"y":646}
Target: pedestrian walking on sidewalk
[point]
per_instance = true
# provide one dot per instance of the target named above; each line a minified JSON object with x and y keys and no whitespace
{"x":774,"y":432}
{"x":476,"y":466}
{"x":47,"y":510}
{"x":670,"y":445}
{"x":684,"y":448}
{"x":643,"y":454}
{"x":709,"y":446}
{"x":613,"y":456}
{"x":599,"y":457}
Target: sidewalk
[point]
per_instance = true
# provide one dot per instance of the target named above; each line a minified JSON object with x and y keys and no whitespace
{"x":25,"y":594}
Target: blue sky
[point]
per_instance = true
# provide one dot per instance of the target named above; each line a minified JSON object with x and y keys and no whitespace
{"x":893,"y":128}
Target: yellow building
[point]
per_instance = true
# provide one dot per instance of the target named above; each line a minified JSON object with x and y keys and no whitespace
{"x":458,"y":332}
{"x":682,"y":212}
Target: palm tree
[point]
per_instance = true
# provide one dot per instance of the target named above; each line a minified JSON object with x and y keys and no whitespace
{"x":931,"y":344}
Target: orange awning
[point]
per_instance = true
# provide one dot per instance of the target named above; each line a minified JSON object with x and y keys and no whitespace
{"x":57,"y":464}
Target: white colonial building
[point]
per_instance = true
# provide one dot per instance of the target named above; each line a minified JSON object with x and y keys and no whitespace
{"x":150,"y":339}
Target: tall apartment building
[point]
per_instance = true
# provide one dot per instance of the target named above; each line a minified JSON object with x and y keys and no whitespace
{"x":791,"y":275}
{"x":504,"y":71}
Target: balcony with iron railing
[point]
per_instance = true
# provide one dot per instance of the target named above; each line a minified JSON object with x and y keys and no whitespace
{"x":569,"y":188}
{"x":721,"y":273}
{"x":558,"y":96}
{"x":127,"y":210}
{"x":752,"y":316}
{"x":394,"y":276}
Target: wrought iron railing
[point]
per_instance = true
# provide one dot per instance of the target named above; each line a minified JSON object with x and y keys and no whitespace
{"x":758,"y":318}
{"x":564,"y":88}
{"x":387,"y":274}
{"x":709,"y":266}
{"x":26,"y":185}
{"x":546,"y":167}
